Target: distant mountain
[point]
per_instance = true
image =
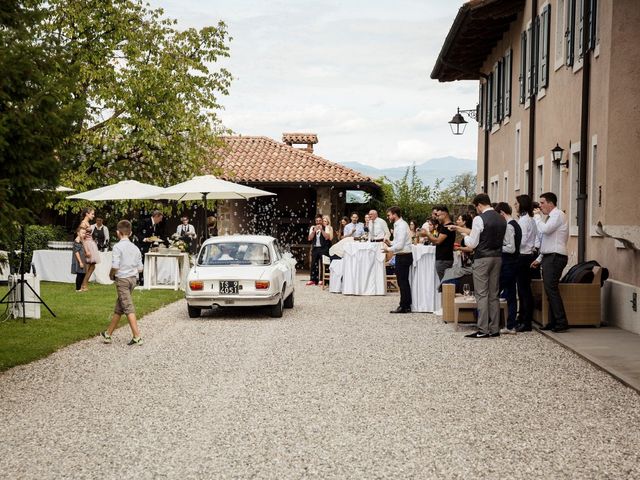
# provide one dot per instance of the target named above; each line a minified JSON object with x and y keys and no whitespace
{"x":445,"y":168}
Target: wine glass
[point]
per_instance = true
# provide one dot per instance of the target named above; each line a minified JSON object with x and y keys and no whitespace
{"x":466,"y":290}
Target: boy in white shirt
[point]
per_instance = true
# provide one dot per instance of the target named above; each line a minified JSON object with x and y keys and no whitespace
{"x":125,"y":268}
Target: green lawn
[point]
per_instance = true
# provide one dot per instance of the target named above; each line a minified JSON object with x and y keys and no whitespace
{"x":78,"y":316}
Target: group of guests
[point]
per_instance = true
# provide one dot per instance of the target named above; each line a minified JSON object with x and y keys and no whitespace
{"x":325,"y":241}
{"x":500,"y":252}
{"x":505,"y":254}
{"x":93,"y":238}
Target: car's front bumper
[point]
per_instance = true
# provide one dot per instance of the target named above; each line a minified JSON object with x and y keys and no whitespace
{"x":207,"y":300}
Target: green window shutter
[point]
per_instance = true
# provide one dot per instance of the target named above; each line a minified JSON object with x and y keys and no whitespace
{"x":508,"y":65}
{"x":480,"y":112}
{"x":580,"y":26}
{"x":490,"y":102}
{"x":543,"y":68}
{"x":523,"y":66}
{"x":593,"y":23}
{"x":569,"y":34}
{"x":499,"y":92}
{"x":530,"y":62}
{"x":494,"y":95}
{"x":535,"y":52}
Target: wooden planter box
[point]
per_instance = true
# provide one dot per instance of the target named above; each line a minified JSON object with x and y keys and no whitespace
{"x":581,"y":302}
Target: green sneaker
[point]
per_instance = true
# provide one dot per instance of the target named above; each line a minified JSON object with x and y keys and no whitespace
{"x":136,"y":341}
{"x":106,"y":338}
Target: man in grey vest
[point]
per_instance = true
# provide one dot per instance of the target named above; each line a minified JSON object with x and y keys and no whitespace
{"x":486,"y":236}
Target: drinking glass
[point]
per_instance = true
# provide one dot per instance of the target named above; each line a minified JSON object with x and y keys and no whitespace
{"x":466,"y":290}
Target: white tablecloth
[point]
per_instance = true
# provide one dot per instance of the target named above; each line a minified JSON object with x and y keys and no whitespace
{"x":172,"y":270}
{"x":335,"y":282}
{"x":363,"y":269}
{"x":4,"y":275}
{"x":55,"y":266}
{"x":424,"y":279}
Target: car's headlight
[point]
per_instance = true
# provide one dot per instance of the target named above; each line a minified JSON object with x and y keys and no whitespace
{"x":262,"y":284}
{"x":196,"y":285}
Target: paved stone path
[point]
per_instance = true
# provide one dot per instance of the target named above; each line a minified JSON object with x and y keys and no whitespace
{"x":338,"y":388}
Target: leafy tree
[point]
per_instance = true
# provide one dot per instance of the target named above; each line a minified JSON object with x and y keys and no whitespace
{"x":410,"y":194}
{"x":149,"y":91}
{"x":460,"y":190}
{"x":37,"y":111}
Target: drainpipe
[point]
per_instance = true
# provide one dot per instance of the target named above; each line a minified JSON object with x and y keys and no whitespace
{"x":584,"y":135}
{"x":532,"y":111}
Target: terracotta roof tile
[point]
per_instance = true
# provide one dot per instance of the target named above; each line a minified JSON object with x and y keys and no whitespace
{"x":263,"y":160}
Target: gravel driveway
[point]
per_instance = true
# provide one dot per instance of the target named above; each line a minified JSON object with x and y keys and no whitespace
{"x":337,"y":388}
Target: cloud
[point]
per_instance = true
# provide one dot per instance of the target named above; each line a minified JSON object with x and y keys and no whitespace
{"x":356,"y":73}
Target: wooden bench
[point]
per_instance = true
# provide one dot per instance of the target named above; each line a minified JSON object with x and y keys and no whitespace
{"x":581,"y":302}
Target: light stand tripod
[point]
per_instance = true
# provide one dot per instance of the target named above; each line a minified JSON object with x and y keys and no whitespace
{"x":21,"y":282}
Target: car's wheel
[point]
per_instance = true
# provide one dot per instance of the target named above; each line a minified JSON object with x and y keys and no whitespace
{"x":194,"y":312}
{"x":288,"y":303}
{"x":276,"y":310}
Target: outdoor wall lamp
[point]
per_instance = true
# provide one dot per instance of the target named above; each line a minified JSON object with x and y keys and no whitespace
{"x":557,"y":152}
{"x":458,"y":123}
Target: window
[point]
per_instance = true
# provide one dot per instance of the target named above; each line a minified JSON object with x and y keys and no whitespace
{"x":539,"y":178}
{"x":481,"y":106}
{"x":234,"y":253}
{"x":569,"y":33}
{"x":594,"y":189}
{"x":579,"y":26}
{"x":543,"y":62}
{"x":489,"y":104}
{"x":526,"y":179}
{"x":531,"y":54}
{"x":494,"y":188}
{"x":508,"y":72}
{"x":517,"y":157}
{"x":495,"y":94}
{"x":507,"y":193}
{"x":574,"y":174}
{"x":560,"y":31}
{"x":523,"y":67}
{"x":594,"y":30}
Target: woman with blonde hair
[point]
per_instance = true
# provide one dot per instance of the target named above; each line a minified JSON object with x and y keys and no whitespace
{"x":91,"y":252}
{"x":326,"y":221}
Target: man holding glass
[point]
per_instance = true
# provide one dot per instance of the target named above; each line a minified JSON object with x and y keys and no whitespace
{"x":553,"y":257}
{"x":401,"y":247}
{"x":486,"y":237}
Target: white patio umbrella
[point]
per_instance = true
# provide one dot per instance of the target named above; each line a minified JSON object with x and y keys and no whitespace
{"x":208,"y":187}
{"x":124,"y":190}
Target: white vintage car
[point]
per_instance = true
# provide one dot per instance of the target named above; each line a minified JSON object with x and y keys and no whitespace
{"x":241,"y":271}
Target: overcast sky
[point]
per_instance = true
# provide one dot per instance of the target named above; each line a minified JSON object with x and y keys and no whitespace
{"x":354,"y":72}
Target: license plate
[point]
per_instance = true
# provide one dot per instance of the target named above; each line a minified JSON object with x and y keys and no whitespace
{"x":227,"y":287}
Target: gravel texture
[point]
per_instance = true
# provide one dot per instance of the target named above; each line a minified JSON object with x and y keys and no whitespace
{"x":337,"y":388}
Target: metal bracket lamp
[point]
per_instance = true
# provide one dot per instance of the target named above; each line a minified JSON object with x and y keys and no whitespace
{"x":557,"y":152}
{"x":458,"y":123}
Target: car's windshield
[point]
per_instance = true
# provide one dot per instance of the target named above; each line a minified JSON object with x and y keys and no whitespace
{"x":234,"y":253}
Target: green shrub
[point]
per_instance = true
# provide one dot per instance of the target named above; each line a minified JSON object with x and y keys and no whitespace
{"x":36,"y":237}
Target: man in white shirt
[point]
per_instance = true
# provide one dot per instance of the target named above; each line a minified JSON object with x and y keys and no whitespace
{"x":486,"y":238}
{"x":187,"y":233}
{"x":401,"y":247}
{"x":378,"y":228}
{"x":354,"y":229}
{"x":320,"y":238}
{"x":553,"y":257}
